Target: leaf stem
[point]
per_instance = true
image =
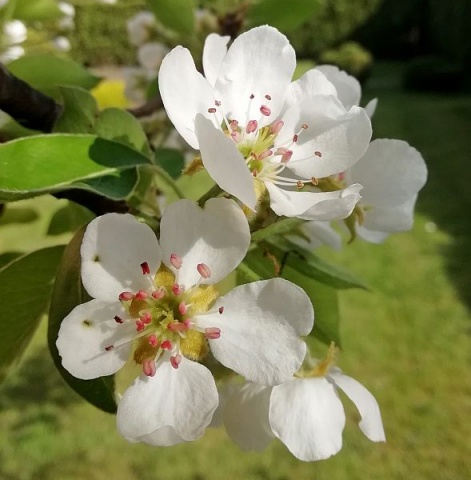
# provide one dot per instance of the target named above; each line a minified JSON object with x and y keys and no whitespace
{"x":214,"y":191}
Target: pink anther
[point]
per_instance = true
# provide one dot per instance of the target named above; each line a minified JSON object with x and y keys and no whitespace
{"x":264,"y":110}
{"x":176,"y":360}
{"x":268,"y":97}
{"x":140,"y":325}
{"x":146,"y":318}
{"x":295,"y":137}
{"x":212,"y":110}
{"x":177,"y":327}
{"x":203,"y":270}
{"x":286,"y":157}
{"x":251,"y":126}
{"x":153,"y":340}
{"x":277,"y":126}
{"x":221,"y":310}
{"x":233,"y":124}
{"x":126,"y":296}
{"x":176,"y":261}
{"x":212,"y":333}
{"x":177,"y":289}
{"x":158,"y":294}
{"x":118,"y":319}
{"x":235,"y":135}
{"x":166,"y":345}
{"x":341,"y":176}
{"x":182,"y":308}
{"x":141,"y":295}
{"x":265,"y":154}
{"x":148,"y":367}
{"x":145,"y":268}
{"x":317,"y":153}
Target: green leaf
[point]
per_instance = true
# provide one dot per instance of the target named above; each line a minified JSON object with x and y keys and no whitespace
{"x":170,"y":160}
{"x":120,"y":126}
{"x":47,"y":163}
{"x":69,"y":218}
{"x":326,"y":306}
{"x":79,"y":113}
{"x":285,"y":16}
{"x":45,"y":72}
{"x":26,"y":287}
{"x":175,"y":14}
{"x":67,"y":294}
{"x":36,"y":10}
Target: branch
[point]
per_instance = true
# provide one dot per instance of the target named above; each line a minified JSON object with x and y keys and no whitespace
{"x":148,"y":108}
{"x":25,"y":104}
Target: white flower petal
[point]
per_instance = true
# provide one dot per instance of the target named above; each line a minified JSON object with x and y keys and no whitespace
{"x":370,"y":235}
{"x":185,"y":93}
{"x":150,"y":55}
{"x":321,"y":206}
{"x":260,"y":328}
{"x":370,"y":107}
{"x":319,"y":233}
{"x":348,"y":87}
{"x":391,"y":172}
{"x":224,"y":162}
{"x":217,"y":236}
{"x":85,"y":333}
{"x":113,"y":248}
{"x":371,"y":424}
{"x":260,"y":62}
{"x":214,"y":51}
{"x":341,"y":137}
{"x":246,"y":417}
{"x":308,"y":417}
{"x":399,"y":218}
{"x":174,"y":405}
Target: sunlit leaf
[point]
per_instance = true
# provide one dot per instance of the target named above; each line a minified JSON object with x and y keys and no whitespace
{"x":26,"y":287}
{"x":68,"y":293}
{"x":80,"y":110}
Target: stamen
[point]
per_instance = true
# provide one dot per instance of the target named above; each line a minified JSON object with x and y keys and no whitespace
{"x":264,"y":110}
{"x":236,"y":136}
{"x":176,"y":261}
{"x":299,"y":184}
{"x":118,"y":319}
{"x":158,"y":294}
{"x":276,"y":127}
{"x":177,"y":326}
{"x":295,"y":138}
{"x":148,"y":367}
{"x":166,"y":345}
{"x":212,"y":333}
{"x":286,"y":157}
{"x":341,"y":176}
{"x":268,"y":97}
{"x":109,"y":348}
{"x":252,"y":96}
{"x":140,"y":326}
{"x":145,"y":268}
{"x":203,"y":270}
{"x":141,"y":295}
{"x":126,"y":296}
{"x":314,"y":181}
{"x":265,"y":154}
{"x":221,"y":310}
{"x":317,"y":153}
{"x":217,"y":103}
{"x":178,"y":289}
{"x":212,"y":110}
{"x":182,"y":308}
{"x":233,"y":125}
{"x":251,"y":126}
{"x":176,"y":360}
{"x":153,"y":340}
{"x":146,"y":318}
{"x":304,"y":126}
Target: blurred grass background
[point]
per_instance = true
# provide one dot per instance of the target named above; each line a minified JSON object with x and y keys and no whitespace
{"x":407,"y":340}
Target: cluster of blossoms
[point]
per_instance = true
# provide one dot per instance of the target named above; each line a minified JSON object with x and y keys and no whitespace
{"x":303,"y":148}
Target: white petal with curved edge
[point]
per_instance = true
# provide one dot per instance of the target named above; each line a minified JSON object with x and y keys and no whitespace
{"x":313,"y":82}
{"x":318,"y":233}
{"x":172,"y":406}
{"x":371,"y":424}
{"x":246,"y":417}
{"x":224,"y":162}
{"x":348,"y":87}
{"x":339,"y":137}
{"x":260,"y":62}
{"x":308,"y":417}
{"x":321,"y":206}
{"x":85,"y":333}
{"x":391,"y":172}
{"x":217,"y":235}
{"x":370,"y":107}
{"x":371,"y":235}
{"x":113,"y":248}
{"x":260,"y":328}
{"x":185,"y":93}
{"x":399,"y":218}
{"x":214,"y":51}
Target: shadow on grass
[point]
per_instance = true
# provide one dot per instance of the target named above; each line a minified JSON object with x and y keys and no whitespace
{"x":439,"y":126}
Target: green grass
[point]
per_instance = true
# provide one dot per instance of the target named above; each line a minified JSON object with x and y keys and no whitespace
{"x":407,"y":340}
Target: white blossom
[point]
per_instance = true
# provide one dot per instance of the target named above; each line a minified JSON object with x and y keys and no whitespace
{"x":141,"y":27}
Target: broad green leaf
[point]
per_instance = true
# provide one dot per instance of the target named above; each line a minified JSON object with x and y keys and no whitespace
{"x":47,"y":163}
{"x":120,"y":126}
{"x":171,"y":160}
{"x":69,"y":218}
{"x":45,"y":72}
{"x":326,"y":306}
{"x":175,"y":14}
{"x":79,"y":113}
{"x":285,"y":16}
{"x":36,"y":10}
{"x":26,"y":287}
{"x":68,"y":293}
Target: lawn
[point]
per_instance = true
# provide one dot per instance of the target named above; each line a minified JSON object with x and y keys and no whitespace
{"x":407,"y":340}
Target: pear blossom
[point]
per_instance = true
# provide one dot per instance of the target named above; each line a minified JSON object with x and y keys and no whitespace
{"x":150,"y":55}
{"x":348,"y":88}
{"x":156,"y":304}
{"x":259,"y":132}
{"x":15,"y":31}
{"x":305,"y":413}
{"x":141,"y":27}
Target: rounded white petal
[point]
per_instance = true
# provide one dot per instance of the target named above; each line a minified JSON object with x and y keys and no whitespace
{"x":391,"y":172}
{"x":313,"y":82}
{"x":399,"y":218}
{"x":308,"y":417}
{"x":321,"y":206}
{"x":260,"y":62}
{"x":260,"y":328}
{"x":348,"y":87}
{"x":173,"y":406}
{"x":246,"y":417}
{"x":370,"y":107}
{"x":318,"y":233}
{"x":15,"y":31}
{"x":224,"y":162}
{"x":371,"y":235}
{"x":113,"y":248}
{"x":371,"y":424}
{"x":185,"y":93}
{"x":84,"y":335}
{"x":340,"y":137}
{"x":214,"y":51}
{"x":217,"y":236}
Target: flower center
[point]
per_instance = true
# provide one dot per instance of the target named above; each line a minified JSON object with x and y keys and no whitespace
{"x":162,"y":317}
